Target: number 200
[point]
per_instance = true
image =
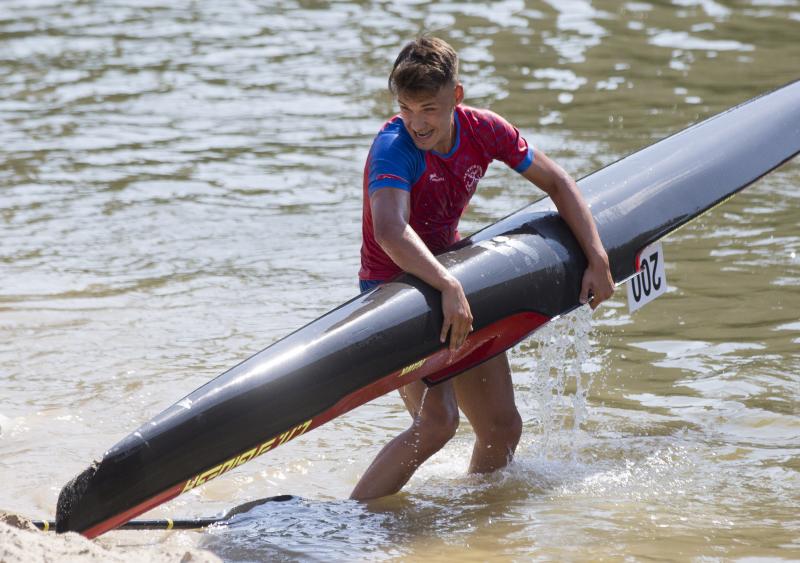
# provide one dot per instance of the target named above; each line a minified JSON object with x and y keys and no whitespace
{"x":647,"y":281}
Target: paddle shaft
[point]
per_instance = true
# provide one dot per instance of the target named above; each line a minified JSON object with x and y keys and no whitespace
{"x":184,"y":524}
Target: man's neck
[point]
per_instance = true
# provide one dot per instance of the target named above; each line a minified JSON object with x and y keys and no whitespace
{"x":452,"y":137}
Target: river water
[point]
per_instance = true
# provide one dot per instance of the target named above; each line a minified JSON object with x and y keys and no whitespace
{"x":181,"y":186}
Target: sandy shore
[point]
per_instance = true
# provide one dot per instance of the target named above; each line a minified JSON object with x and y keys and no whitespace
{"x":20,"y":542}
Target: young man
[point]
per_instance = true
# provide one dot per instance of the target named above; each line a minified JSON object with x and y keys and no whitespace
{"x":422,"y":169}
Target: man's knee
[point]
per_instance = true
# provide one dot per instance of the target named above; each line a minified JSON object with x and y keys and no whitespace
{"x":502,"y":427}
{"x":437,"y":424}
{"x":515,"y":426}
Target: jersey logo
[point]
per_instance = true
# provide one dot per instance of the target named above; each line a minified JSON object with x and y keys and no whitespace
{"x":436,"y":178}
{"x":471,"y":177}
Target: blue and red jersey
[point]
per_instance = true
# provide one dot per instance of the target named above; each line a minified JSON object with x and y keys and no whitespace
{"x":440,"y":185}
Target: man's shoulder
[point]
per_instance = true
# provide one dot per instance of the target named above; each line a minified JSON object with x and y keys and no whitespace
{"x":392,"y":138}
{"x":480,"y":117}
{"x":495,"y":135}
{"x":393,"y":161}
{"x":393,"y":126}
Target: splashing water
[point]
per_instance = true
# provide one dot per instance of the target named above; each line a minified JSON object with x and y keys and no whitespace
{"x":418,"y":419}
{"x":554,"y":376}
{"x":421,"y":405}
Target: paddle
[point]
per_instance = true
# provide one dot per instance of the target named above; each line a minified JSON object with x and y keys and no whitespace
{"x":185,"y":524}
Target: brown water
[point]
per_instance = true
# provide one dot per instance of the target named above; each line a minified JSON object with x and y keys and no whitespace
{"x":181,"y":186}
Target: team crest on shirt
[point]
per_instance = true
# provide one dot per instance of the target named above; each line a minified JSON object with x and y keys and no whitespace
{"x":471,"y":177}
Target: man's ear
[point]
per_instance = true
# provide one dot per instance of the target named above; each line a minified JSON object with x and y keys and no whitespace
{"x":459,"y":93}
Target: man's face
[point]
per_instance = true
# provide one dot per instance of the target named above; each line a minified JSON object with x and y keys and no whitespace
{"x":429,"y":118}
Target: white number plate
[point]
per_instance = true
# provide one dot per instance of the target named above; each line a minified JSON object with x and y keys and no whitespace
{"x":650,"y":281}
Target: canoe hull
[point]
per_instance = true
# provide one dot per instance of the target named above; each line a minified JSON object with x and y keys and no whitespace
{"x":517,"y":273}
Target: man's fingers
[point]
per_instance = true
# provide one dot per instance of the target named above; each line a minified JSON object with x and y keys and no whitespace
{"x":456,"y":338}
{"x":459,"y":337}
{"x":594,"y":298}
{"x":586,"y":290}
{"x":457,"y":317}
{"x":457,"y":333}
{"x":445,"y":327}
{"x":590,"y":299}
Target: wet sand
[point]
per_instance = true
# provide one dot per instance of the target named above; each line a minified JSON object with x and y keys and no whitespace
{"x":21,"y":542}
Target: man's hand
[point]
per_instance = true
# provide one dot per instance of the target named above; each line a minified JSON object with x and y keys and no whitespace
{"x":390,"y":212}
{"x":457,"y":315}
{"x":597,"y":285}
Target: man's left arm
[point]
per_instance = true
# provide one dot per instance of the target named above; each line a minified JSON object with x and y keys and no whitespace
{"x":562,"y":189}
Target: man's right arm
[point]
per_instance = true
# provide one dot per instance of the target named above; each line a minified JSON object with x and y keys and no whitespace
{"x":390,"y":213}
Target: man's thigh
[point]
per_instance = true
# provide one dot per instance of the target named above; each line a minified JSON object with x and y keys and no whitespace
{"x":485,"y":393}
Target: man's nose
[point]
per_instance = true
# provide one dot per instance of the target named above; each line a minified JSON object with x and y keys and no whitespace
{"x":418,"y":122}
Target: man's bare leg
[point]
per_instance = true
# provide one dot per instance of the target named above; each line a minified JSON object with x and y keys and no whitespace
{"x":486,"y":396}
{"x":434,"y":423}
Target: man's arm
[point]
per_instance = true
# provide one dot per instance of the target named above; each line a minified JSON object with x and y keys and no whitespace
{"x":562,"y":189}
{"x":390,"y":213}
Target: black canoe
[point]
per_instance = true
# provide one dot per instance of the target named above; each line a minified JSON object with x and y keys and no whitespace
{"x":517,"y":273}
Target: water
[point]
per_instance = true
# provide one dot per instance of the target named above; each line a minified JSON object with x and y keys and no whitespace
{"x":181,"y":187}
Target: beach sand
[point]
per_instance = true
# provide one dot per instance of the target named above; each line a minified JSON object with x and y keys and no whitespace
{"x":20,"y":541}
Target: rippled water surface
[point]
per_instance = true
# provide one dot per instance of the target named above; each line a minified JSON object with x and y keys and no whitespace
{"x":180,"y":186}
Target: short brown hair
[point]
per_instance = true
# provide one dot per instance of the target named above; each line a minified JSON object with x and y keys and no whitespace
{"x":424,"y":66}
